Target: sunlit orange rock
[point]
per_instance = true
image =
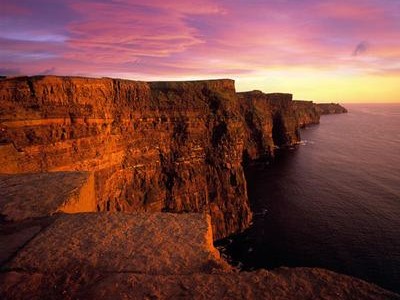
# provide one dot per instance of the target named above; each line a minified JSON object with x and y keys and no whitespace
{"x":160,"y":255}
{"x":173,"y":146}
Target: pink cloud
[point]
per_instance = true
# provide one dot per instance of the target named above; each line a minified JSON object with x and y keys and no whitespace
{"x":177,"y":38}
{"x":11,"y":8}
{"x":154,"y":29}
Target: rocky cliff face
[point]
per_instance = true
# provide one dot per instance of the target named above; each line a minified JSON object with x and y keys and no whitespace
{"x":270,"y":122}
{"x":306,"y":112}
{"x":330,"y":108}
{"x":152,"y":146}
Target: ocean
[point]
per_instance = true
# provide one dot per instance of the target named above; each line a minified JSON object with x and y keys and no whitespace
{"x":332,"y":202}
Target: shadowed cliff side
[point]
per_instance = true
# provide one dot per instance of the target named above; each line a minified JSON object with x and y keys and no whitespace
{"x":271,"y":122}
{"x":306,"y":112}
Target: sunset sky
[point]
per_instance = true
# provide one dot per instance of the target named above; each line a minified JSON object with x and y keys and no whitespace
{"x":342,"y":51}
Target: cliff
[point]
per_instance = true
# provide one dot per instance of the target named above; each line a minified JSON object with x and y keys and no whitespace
{"x":158,"y":146}
{"x":306,"y":112}
{"x":330,"y":108}
{"x":149,"y":146}
{"x":270,"y":122}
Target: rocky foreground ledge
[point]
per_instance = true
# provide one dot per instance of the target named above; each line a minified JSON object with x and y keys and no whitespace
{"x":48,"y":254}
{"x":146,"y":256}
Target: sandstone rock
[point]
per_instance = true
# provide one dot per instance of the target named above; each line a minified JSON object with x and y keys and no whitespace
{"x":284,"y":283}
{"x":12,"y":242}
{"x":151,"y":146}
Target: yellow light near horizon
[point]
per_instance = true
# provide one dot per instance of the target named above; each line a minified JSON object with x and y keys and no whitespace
{"x":325,"y":86}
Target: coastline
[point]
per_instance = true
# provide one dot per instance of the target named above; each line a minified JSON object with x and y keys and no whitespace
{"x":143,"y":148}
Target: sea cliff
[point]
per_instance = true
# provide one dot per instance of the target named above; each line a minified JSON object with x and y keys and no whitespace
{"x":150,"y":146}
{"x":116,"y":189}
{"x":330,"y":108}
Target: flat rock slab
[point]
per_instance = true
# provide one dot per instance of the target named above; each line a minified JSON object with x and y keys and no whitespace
{"x":34,"y":195}
{"x":159,"y":243}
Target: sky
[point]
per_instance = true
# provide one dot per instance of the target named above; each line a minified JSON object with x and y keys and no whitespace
{"x":326,"y":51}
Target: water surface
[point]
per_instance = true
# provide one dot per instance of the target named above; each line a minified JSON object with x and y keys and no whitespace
{"x":334,"y":202}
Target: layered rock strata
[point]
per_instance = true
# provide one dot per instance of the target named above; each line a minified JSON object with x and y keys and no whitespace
{"x":149,"y":146}
{"x":160,"y":146}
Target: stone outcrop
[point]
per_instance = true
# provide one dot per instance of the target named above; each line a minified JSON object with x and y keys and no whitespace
{"x":330,"y":108}
{"x":149,"y":243}
{"x":149,"y":256}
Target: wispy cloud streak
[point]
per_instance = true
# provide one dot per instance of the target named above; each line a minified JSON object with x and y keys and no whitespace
{"x":194,"y":38}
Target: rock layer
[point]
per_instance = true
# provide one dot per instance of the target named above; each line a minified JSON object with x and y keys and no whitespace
{"x":306,"y":112}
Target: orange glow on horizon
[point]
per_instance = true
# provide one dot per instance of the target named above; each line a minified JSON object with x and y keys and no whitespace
{"x":341,"y":51}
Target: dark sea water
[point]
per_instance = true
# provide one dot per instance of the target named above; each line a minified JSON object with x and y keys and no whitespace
{"x":334,"y":202}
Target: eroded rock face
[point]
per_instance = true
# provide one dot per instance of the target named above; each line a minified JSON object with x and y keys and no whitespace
{"x":270,"y":121}
{"x":174,"y":146}
{"x":306,"y":112}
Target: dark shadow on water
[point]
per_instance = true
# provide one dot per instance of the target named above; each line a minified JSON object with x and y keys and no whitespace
{"x":288,"y":231}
